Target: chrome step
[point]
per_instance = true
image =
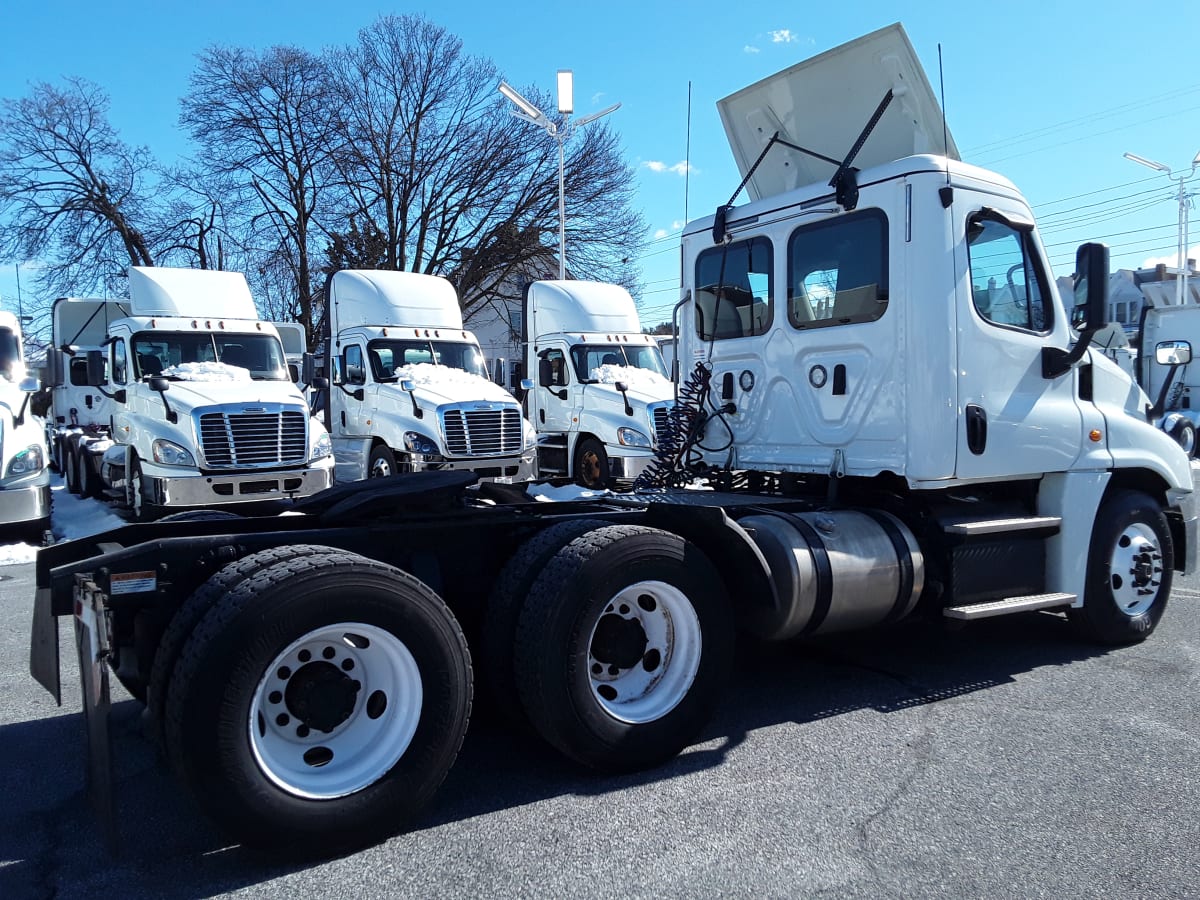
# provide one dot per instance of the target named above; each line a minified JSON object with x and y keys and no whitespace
{"x":997,"y":526}
{"x":1008,"y":605}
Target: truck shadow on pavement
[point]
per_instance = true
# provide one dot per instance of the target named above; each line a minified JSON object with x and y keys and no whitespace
{"x":49,"y":842}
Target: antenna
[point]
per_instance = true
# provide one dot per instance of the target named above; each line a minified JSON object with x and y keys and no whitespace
{"x":945,"y":130}
{"x":687,"y":155}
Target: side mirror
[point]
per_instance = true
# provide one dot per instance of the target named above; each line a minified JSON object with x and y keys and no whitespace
{"x":95,"y":369}
{"x":320,"y":382}
{"x":157,"y":383}
{"x":408,"y":385}
{"x":545,"y":373}
{"x":308,"y":369}
{"x":1173,"y":353}
{"x":526,"y":384}
{"x":29,"y":385}
{"x":1090,"y":312}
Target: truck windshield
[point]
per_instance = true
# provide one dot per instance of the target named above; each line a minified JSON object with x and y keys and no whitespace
{"x":388,"y":356}
{"x":10,"y":353}
{"x":156,"y":352}
{"x":588,"y":357}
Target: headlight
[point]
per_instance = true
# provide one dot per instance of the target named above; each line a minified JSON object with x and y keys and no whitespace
{"x":631,"y":437}
{"x":29,"y":461}
{"x":529,"y":434}
{"x":322,"y":445}
{"x":415,"y":442}
{"x":167,"y":453}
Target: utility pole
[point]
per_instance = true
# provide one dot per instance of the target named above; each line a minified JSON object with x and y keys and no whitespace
{"x":1181,"y":279}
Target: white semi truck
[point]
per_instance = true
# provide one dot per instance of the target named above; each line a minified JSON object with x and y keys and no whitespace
{"x":410,"y":391}
{"x":179,"y":397}
{"x":1168,"y":337}
{"x":600,"y":390}
{"x":885,"y":394}
{"x":24,"y":462}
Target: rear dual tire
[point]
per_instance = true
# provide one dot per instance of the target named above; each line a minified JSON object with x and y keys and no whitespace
{"x":319,"y":702}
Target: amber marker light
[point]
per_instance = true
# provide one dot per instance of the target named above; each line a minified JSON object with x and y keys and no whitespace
{"x":1095,"y":436}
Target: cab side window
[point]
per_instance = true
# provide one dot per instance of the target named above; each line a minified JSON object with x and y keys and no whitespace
{"x":356,"y":372}
{"x":733,"y":290}
{"x":1008,"y":286}
{"x":120,"y":364}
{"x":838,"y":271}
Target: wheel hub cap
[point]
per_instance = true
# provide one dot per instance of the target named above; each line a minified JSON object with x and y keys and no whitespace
{"x":321,"y":696}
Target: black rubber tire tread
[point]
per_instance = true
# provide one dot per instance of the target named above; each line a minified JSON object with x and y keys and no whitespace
{"x":194,"y":608}
{"x":246,"y":629}
{"x":503,"y":610}
{"x":604,"y":479}
{"x":384,"y":452}
{"x":550,"y":656}
{"x":88,"y":479}
{"x":200,"y":515}
{"x":1099,"y":619}
{"x":70,"y":472}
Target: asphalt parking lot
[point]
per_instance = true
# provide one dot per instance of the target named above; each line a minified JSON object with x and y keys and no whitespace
{"x":1002,"y":760}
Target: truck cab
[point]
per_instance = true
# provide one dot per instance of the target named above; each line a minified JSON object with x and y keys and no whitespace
{"x":24,"y":461}
{"x":601,"y":389}
{"x":187,"y":401}
{"x":410,"y":391}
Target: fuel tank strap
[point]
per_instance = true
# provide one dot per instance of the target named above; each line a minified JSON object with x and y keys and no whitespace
{"x":905,"y":589}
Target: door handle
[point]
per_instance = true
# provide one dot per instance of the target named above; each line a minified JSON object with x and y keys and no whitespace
{"x":976,"y":429}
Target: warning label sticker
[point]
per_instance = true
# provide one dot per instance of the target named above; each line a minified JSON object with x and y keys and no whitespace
{"x":132,"y":582}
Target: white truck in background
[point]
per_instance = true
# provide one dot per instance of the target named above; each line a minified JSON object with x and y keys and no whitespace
{"x":24,"y":462}
{"x":600,"y":387}
{"x":179,"y":397}
{"x":410,"y":391}
{"x":1168,"y":337}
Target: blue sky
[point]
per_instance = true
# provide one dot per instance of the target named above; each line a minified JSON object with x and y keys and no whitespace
{"x":1050,"y":93}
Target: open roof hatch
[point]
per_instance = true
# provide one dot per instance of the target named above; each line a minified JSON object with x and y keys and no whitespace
{"x":826,"y":106}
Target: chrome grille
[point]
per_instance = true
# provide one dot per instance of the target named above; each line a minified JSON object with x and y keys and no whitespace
{"x":660,"y":414}
{"x":482,"y":432}
{"x":237,"y":439}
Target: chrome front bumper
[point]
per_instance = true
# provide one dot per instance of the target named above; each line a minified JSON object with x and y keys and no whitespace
{"x":26,"y":502}
{"x":214,"y":490}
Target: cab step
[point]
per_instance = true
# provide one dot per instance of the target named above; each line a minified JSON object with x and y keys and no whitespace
{"x":971,"y":527}
{"x":1008,"y":605}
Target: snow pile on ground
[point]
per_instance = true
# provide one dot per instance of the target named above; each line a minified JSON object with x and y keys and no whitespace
{"x":70,"y":518}
{"x":631,"y":375}
{"x":12,"y":554}
{"x":549,"y":494}
{"x":422,"y":374}
{"x":207,"y":371}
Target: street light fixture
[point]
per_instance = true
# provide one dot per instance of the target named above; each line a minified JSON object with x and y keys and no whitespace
{"x":561,"y":132}
{"x":1181,"y":280}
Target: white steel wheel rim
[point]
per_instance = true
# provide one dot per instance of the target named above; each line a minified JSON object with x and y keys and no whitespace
{"x":638,"y":683}
{"x":1135,"y":571}
{"x":380,"y":716}
{"x":380,"y":468}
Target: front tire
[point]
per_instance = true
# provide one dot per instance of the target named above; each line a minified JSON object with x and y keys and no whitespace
{"x":591,"y":465}
{"x":623,"y":647}
{"x":382,"y":463}
{"x":1184,"y":433}
{"x":70,"y":472}
{"x":319,"y":703}
{"x":135,"y":495}
{"x":1130,"y":568}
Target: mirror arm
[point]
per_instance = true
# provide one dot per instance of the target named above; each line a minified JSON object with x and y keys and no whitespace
{"x":1154,"y":413}
{"x":19,"y":418}
{"x":1056,"y":361}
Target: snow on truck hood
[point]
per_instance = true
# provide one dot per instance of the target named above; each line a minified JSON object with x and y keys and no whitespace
{"x":644,"y":384}
{"x":445,"y":384}
{"x":195,"y":384}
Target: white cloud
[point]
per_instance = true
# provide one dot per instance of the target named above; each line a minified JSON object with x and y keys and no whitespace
{"x":660,"y":233}
{"x":782,"y":36}
{"x":750,"y":49}
{"x":679,"y":168}
{"x":677,"y":224}
{"x":1171,"y":260}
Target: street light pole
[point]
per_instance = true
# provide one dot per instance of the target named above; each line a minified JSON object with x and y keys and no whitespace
{"x":561,"y":132}
{"x":1181,"y":280}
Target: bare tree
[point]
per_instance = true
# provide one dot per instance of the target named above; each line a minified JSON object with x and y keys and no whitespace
{"x":454,"y":185}
{"x":72,"y":194}
{"x":265,"y":121}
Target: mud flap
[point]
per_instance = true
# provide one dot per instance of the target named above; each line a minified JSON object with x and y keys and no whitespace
{"x":92,"y":644}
